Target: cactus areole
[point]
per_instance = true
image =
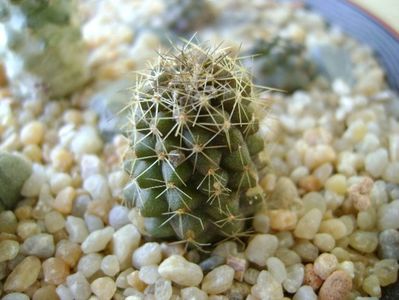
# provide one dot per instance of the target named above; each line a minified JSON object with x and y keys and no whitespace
{"x":195,"y":150}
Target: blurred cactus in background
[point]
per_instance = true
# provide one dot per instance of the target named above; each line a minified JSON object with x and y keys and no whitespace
{"x":43,"y":52}
{"x":195,"y":151}
{"x":281,"y":64}
{"x":186,"y":16}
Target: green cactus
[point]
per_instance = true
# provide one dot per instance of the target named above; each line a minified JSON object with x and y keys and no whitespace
{"x":44,"y":53}
{"x":186,"y":16}
{"x":195,"y":147}
{"x":282,"y":64}
{"x":13,"y":173}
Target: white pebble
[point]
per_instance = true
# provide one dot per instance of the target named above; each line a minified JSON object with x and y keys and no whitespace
{"x":295,"y":276}
{"x":93,"y":222}
{"x":76,"y":229}
{"x":36,"y":180}
{"x":78,"y":286}
{"x":64,"y":293}
{"x":90,"y":165}
{"x":267,"y":288}
{"x":388,"y":216}
{"x":40,"y":245}
{"x":149,"y":274}
{"x":86,"y":141}
{"x":163,"y":289}
{"x":309,"y":224}
{"x":90,"y":264}
{"x":60,"y":181}
{"x":104,"y":288}
{"x":15,"y":296}
{"x":193,"y":293}
{"x":218,"y":280}
{"x":118,"y":216}
{"x":97,"y":186}
{"x":376,"y":162}
{"x":110,"y":265}
{"x":267,"y":242}
{"x":325,"y":264}
{"x":276,"y":267}
{"x":97,"y":240}
{"x":177,"y":269}
{"x":147,"y":254}
{"x":305,"y":292}
{"x":124,"y":241}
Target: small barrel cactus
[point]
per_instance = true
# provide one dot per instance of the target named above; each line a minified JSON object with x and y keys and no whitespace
{"x":186,"y":16}
{"x":14,"y":171}
{"x":195,"y":149}
{"x":44,"y":53}
{"x":282,"y":64}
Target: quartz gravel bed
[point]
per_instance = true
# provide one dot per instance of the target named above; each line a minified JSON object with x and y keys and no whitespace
{"x":330,"y":226}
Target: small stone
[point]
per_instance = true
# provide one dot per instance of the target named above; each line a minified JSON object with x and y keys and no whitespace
{"x":212,"y":262}
{"x":311,"y":278}
{"x":15,"y":296}
{"x":91,"y":165}
{"x":110,"y":265}
{"x":61,"y":159}
{"x":104,"y":288}
{"x":306,"y":250}
{"x":336,"y":184}
{"x":226,"y":249}
{"x":124,"y":241}
{"x":60,"y":181}
{"x":177,"y":269}
{"x":335,"y":227}
{"x":282,"y":219}
{"x":27,"y":228}
{"x":251,"y":275}
{"x":8,"y":222}
{"x":133,"y":279}
{"x":118,"y":216}
{"x":376,"y":162}
{"x":267,"y":242}
{"x":69,"y":252}
{"x":267,"y":288}
{"x":310,"y":184}
{"x":163,"y":289}
{"x":386,"y":271}
{"x":99,"y":208}
{"x":277,"y":269}
{"x":309,"y":224}
{"x":63,"y":292}
{"x":45,"y":293}
{"x":64,"y":200}
{"x":147,"y":254}
{"x":288,"y":256}
{"x":371,"y":286}
{"x":54,"y":221}
{"x":149,"y":274}
{"x":193,"y":293}
{"x":324,"y":241}
{"x":388,"y":216}
{"x":261,"y":223}
{"x":80,"y":205}
{"x":23,"y":276}
{"x":364,"y":241}
{"x":218,"y":280}
{"x":86,"y":141}
{"x":305,"y":292}
{"x":314,"y":200}
{"x":55,"y":270}
{"x":324,"y":265}
{"x":97,"y":240}
{"x":336,"y":287}
{"x":35,"y":181}
{"x":40,"y":245}
{"x":283,"y":194}
{"x":93,"y":222}
{"x":32,"y":133}
{"x":8,"y":250}
{"x":90,"y":264}
{"x":239,"y":266}
{"x":23,"y":212}
{"x":79,"y":286}
{"x":295,"y":277}
{"x":76,"y":229}
{"x":388,"y":246}
{"x":97,"y":186}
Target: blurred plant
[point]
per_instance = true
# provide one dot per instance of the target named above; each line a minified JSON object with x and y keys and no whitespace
{"x":282,"y":64}
{"x":44,"y":52}
{"x":195,"y":150}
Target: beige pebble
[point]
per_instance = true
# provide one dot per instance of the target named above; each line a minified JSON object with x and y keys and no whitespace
{"x":336,"y":287}
{"x":282,"y":219}
{"x":336,"y":184}
{"x":69,"y":252}
{"x":104,"y":288}
{"x":100,"y":208}
{"x":335,"y":227}
{"x":8,"y":250}
{"x":27,"y":228}
{"x":310,"y":184}
{"x":45,"y":293}
{"x":61,"y":159}
{"x":54,"y":221}
{"x":177,"y":269}
{"x":325,"y":264}
{"x":55,"y":270}
{"x":33,"y":152}
{"x":218,"y":280}
{"x":134,"y":281}
{"x":309,"y":224}
{"x":23,"y":212}
{"x":64,"y":200}
{"x":311,"y":278}
{"x":32,"y":133}
{"x":24,"y":275}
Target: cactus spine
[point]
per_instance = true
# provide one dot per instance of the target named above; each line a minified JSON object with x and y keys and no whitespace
{"x":44,"y":53}
{"x":195,"y":150}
